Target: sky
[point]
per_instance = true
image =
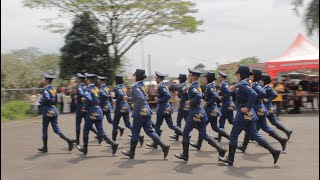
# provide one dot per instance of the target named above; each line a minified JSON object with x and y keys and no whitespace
{"x":232,"y":30}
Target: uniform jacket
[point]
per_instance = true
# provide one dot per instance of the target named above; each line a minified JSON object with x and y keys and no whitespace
{"x":197,"y":113}
{"x":246,"y":97}
{"x":227,"y":103}
{"x":81,"y":106}
{"x":183,"y":95}
{"x":141,"y":107}
{"x":92,"y":95}
{"x":48,"y":101}
{"x":211,"y":97}
{"x":270,"y":95}
{"x":105,"y":99}
{"x":259,"y":107}
{"x":122,"y":105}
{"x":164,"y":107}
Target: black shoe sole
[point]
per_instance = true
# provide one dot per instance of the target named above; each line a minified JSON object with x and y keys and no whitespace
{"x":224,"y":160}
{"x":180,"y":157}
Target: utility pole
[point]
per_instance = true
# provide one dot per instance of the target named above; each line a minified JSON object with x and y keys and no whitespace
{"x":142,"y":55}
{"x":149,"y":65}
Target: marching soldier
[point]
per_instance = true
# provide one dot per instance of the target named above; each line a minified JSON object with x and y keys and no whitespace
{"x":227,"y":104}
{"x":50,"y":114}
{"x":183,"y":110}
{"x":270,"y":95}
{"x":197,"y":118}
{"x":105,"y":101}
{"x":211,"y":98}
{"x":142,"y":116}
{"x":164,"y":108}
{"x":246,"y":117}
{"x":81,"y":109}
{"x":261,"y":112}
{"x":94,"y":116}
{"x":122,"y":109}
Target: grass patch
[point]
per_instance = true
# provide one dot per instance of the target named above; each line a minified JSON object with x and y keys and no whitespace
{"x":15,"y":110}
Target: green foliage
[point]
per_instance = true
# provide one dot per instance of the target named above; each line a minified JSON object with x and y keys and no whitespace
{"x":248,"y":61}
{"x":16,"y":110}
{"x":311,"y":14}
{"x":23,"y":68}
{"x":126,"y":22}
{"x":85,"y":51}
{"x":200,"y":66}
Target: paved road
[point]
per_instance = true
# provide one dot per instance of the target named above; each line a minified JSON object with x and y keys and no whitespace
{"x":21,"y":161}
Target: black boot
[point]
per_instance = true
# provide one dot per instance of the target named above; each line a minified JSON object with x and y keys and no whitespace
{"x":114,"y":136}
{"x":275,"y":153}
{"x":114,"y":145}
{"x":281,"y":140}
{"x":243,"y":146}
{"x":185,"y":154}
{"x":199,"y":143}
{"x":219,"y":148}
{"x":70,"y":142}
{"x":44,"y":149}
{"x":282,"y":128}
{"x":175,"y":137}
{"x":141,"y":140}
{"x":230,"y":159}
{"x":121,"y":130}
{"x":94,"y":130}
{"x":178,"y":133}
{"x":132,"y":150}
{"x":154,"y":144}
{"x":165,"y":148}
{"x":224,"y":133}
{"x":218,"y":138}
{"x":83,"y":149}
{"x":77,"y":140}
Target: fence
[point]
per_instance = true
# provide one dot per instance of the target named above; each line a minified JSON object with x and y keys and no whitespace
{"x":18,"y":94}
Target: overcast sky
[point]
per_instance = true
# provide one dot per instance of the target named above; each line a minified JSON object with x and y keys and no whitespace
{"x":233,"y":29}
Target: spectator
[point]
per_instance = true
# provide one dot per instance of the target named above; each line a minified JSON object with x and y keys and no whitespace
{"x":279,"y":89}
{"x":73,"y":99}
{"x":66,"y":99}
{"x":305,"y":84}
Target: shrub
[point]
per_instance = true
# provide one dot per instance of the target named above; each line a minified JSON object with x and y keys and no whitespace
{"x":16,"y":110}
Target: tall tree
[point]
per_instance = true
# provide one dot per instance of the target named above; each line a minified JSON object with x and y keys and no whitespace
{"x":200,"y":66}
{"x":311,"y":14}
{"x":126,"y":22}
{"x":85,"y":51}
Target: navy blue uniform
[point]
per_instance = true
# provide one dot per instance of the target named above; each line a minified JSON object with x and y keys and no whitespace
{"x":95,"y":114}
{"x":211,"y":97}
{"x":183,"y":110}
{"x":164,"y":109}
{"x":245,"y":121}
{"x":270,"y":95}
{"x":141,"y":113}
{"x":227,"y":105}
{"x":105,"y":102}
{"x":122,"y":108}
{"x":49,"y":111}
{"x":81,"y":110}
{"x":197,"y":117}
{"x":260,"y":109}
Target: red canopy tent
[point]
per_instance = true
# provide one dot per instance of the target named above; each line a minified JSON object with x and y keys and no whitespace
{"x":302,"y":54}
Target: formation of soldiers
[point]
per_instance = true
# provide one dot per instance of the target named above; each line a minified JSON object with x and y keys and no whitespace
{"x":251,"y":98}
